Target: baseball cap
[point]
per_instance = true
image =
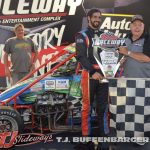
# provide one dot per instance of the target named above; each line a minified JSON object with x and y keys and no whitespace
{"x":137,"y":17}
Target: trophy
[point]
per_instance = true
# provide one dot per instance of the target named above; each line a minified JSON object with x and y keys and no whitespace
{"x":108,"y":58}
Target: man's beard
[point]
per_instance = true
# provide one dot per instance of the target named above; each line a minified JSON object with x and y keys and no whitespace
{"x":97,"y":25}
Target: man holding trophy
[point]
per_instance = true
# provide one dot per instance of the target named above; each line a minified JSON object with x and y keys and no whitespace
{"x":91,"y":75}
{"x":97,"y":55}
{"x":137,"y":64}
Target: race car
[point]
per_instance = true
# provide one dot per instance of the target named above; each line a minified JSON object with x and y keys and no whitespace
{"x":49,"y":102}
{"x":43,"y":102}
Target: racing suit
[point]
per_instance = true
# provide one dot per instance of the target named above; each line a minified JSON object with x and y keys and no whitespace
{"x":91,"y":89}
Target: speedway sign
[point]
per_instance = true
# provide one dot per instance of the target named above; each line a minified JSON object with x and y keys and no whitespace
{"x":39,"y":6}
{"x":108,"y":41}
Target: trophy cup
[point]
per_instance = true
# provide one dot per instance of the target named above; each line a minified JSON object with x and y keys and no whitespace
{"x":108,"y":58}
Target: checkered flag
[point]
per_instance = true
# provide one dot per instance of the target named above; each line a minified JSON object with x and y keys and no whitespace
{"x":130,"y":107}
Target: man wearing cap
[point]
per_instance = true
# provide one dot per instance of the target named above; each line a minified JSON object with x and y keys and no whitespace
{"x":137,"y":64}
{"x":20,"y":49}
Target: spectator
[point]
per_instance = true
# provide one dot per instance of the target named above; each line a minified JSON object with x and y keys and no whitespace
{"x":20,"y":50}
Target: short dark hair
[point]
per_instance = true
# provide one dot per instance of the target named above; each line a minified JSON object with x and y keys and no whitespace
{"x":92,"y":11}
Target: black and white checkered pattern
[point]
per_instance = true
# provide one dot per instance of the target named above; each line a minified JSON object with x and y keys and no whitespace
{"x":130,"y":107}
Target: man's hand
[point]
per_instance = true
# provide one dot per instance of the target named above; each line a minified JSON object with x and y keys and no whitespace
{"x":123,"y":50}
{"x":135,"y":55}
{"x":32,"y":67}
{"x":7,"y":72}
{"x":6,"y":64}
{"x":97,"y":76}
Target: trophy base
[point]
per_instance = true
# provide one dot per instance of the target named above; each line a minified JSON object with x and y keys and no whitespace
{"x":104,"y":81}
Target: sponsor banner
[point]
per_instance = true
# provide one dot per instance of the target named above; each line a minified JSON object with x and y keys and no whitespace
{"x":119,"y":24}
{"x":22,"y":139}
{"x":32,"y":138}
{"x":58,"y":84}
{"x":49,"y":84}
{"x":62,"y":84}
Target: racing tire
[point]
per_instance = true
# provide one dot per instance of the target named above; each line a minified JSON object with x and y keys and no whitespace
{"x":10,"y":120}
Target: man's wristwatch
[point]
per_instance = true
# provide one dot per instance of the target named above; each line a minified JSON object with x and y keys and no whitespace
{"x":129,"y":52}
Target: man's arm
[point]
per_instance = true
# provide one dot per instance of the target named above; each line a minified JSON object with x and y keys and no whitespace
{"x":141,"y":57}
{"x":81,"y":48}
{"x":34,"y":60}
{"x":7,"y":71}
{"x":35,"y":56}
